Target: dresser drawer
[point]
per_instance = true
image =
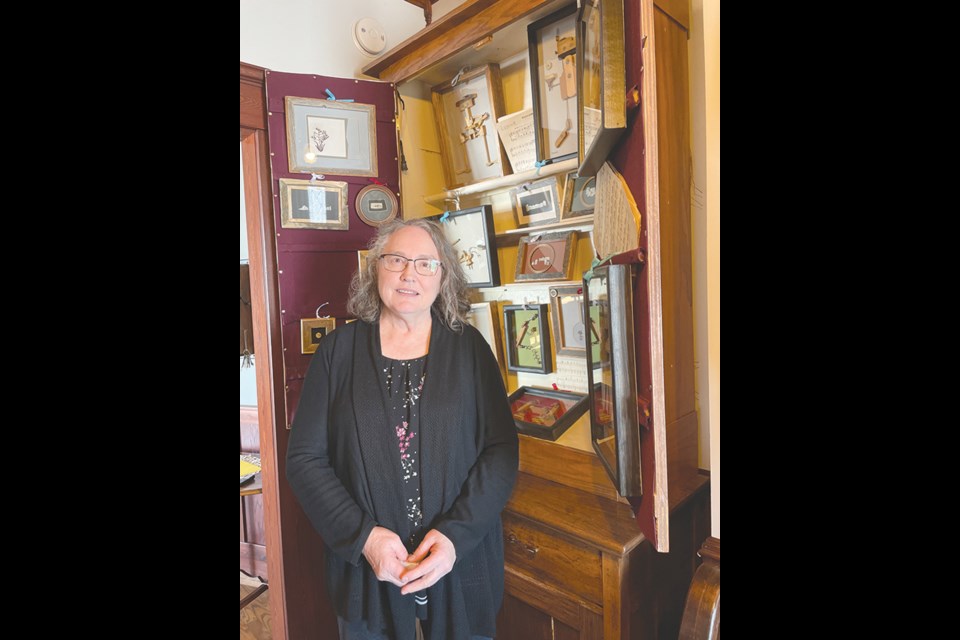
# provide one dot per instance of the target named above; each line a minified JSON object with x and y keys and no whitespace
{"x":552,"y":558}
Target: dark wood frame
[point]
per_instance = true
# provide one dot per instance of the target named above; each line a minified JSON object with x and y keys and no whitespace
{"x":617,"y":323}
{"x":510,"y":337}
{"x":484,"y":213}
{"x":542,"y":145}
{"x":579,"y":407}
{"x":612,"y":101}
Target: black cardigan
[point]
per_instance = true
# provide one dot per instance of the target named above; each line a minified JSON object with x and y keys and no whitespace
{"x":344,"y":468}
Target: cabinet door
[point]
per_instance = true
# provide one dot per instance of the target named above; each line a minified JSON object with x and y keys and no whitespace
{"x":520,"y":621}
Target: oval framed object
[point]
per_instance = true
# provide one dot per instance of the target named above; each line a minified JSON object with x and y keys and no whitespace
{"x":376,"y":205}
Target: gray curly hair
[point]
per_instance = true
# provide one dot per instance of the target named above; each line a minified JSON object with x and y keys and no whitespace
{"x":452,"y":303}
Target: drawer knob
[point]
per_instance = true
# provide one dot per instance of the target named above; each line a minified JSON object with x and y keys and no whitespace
{"x":529,"y":549}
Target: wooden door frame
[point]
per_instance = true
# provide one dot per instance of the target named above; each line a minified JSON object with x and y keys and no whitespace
{"x":264,"y":294}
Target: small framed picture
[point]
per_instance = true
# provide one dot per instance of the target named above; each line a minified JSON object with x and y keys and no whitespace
{"x":376,"y":205}
{"x":545,"y":413}
{"x":362,"y":260}
{"x":579,"y":196}
{"x":471,"y":233}
{"x":553,"y":76}
{"x":570,"y":333}
{"x":483,"y":316}
{"x":546,"y":256}
{"x":527,"y":338}
{"x":467,"y":110}
{"x":537,"y":203}
{"x":326,"y":136}
{"x":321,"y":204}
{"x":312,"y":331}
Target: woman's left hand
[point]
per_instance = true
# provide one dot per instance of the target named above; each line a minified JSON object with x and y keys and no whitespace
{"x":435,"y":556}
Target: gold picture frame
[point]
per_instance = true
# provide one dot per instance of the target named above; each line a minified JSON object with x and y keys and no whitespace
{"x":331,"y":137}
{"x":466,"y":115}
{"x":312,"y":331}
{"x":319,"y":204}
{"x":601,"y":78}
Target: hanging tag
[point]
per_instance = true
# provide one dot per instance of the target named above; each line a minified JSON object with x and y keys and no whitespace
{"x":540,"y":165}
{"x":445,"y":216}
{"x":317,"y":176}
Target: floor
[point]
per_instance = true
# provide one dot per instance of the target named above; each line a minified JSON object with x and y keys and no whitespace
{"x":255,"y":617}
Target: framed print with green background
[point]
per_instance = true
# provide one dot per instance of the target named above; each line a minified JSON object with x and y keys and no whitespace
{"x":553,"y":77}
{"x":537,"y":203}
{"x":313,"y":204}
{"x":471,"y":233}
{"x":545,"y":256}
{"x":376,"y":205}
{"x":527,"y":338}
{"x":602,"y":81}
{"x":545,"y":413}
{"x":326,"y":136}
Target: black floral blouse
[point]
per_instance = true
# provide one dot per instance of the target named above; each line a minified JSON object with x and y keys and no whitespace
{"x":403,"y":384}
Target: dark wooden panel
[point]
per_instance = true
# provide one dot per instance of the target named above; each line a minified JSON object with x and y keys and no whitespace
{"x":253,"y":510}
{"x":520,"y":621}
{"x":252,"y":112}
{"x":543,"y":596}
{"x":563,"y":632}
{"x":253,"y":559}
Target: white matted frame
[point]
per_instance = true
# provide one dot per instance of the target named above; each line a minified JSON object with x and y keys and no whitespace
{"x":319,"y":204}
{"x":537,"y":203}
{"x":553,"y":76}
{"x":326,"y":136}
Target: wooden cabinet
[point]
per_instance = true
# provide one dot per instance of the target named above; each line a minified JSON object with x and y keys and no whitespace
{"x":581,"y":562}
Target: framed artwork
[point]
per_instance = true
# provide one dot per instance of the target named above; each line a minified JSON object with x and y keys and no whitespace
{"x":312,"y":331}
{"x":537,"y":203}
{"x":376,"y":205}
{"x":612,"y":376}
{"x":553,"y":76}
{"x":321,"y":204}
{"x":579,"y":196}
{"x":362,"y":260}
{"x":326,"y":136}
{"x":527,"y":338}
{"x":483,"y":316}
{"x":471,"y":233}
{"x":467,"y":110}
{"x":570,"y":331}
{"x":601,"y":71}
{"x":545,"y":413}
{"x":546,"y":256}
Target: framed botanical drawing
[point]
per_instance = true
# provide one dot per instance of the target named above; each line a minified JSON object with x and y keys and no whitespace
{"x":467,"y":112}
{"x":545,"y":413}
{"x":553,"y":76}
{"x":376,"y":205}
{"x":326,"y":136}
{"x":612,"y":376}
{"x":483,"y":316}
{"x":318,"y":204}
{"x":579,"y":197}
{"x":546,"y":256}
{"x":527,"y":338}
{"x":602,"y":80}
{"x":313,"y":330}
{"x":537,"y":203}
{"x":471,"y":233}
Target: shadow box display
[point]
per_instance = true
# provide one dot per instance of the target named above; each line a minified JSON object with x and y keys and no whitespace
{"x":553,"y":76}
{"x":602,"y":80}
{"x":537,"y":203}
{"x":545,"y":413}
{"x":527,"y":338}
{"x":471,"y":233}
{"x":467,"y":109}
{"x":612,"y":376}
{"x":327,"y":136}
{"x":314,"y":204}
{"x":546,"y":256}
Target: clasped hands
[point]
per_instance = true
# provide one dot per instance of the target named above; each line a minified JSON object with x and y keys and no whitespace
{"x":414,"y":572}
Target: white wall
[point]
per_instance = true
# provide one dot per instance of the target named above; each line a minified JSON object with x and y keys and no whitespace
{"x":311,"y":36}
{"x":705,"y":99}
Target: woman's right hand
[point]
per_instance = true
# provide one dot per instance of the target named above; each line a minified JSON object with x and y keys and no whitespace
{"x":386,"y":554}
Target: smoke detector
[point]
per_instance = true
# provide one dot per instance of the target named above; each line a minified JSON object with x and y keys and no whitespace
{"x":369,"y":36}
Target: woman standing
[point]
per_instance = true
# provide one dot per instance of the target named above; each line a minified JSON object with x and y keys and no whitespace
{"x":404,"y":452}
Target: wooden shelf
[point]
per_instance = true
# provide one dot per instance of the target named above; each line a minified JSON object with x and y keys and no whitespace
{"x":502,"y":182}
{"x":446,"y":45}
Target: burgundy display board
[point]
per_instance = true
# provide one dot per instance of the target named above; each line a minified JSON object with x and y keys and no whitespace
{"x":316,"y":265}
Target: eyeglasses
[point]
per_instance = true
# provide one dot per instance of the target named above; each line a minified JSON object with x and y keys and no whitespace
{"x":424,"y":266}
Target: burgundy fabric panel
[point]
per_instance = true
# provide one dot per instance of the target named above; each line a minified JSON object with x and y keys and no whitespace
{"x":316,"y":265}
